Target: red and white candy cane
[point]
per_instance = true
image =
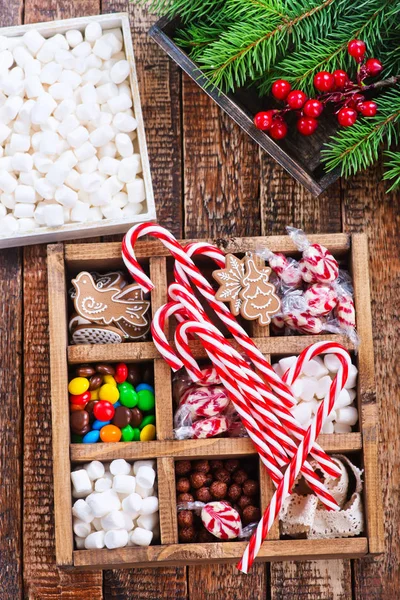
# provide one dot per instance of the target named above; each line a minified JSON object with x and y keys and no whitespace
{"x":215,"y":344}
{"x":222,"y":311}
{"x":285,"y":486}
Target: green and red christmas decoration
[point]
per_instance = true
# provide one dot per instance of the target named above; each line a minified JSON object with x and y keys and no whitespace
{"x":335,"y":88}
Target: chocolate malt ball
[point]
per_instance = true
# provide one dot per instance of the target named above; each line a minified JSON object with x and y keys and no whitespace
{"x":183,"y":485}
{"x":215,"y":465}
{"x":234,"y":492}
{"x":197,"y":480}
{"x":205,"y":537}
{"x":218,"y":490}
{"x":202,"y":466}
{"x":185,"y":497}
{"x":244,"y":501}
{"x":251,"y":514}
{"x":183,"y":467}
{"x":203,"y":494}
{"x":187,"y":534}
{"x":222,"y":475}
{"x":185,"y":518}
{"x":240,"y":476}
{"x":250,"y":487}
{"x":231,"y":465}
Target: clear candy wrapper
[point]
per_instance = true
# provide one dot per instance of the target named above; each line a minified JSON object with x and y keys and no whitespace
{"x":287,"y":269}
{"x":241,"y":533}
{"x":317,"y":264}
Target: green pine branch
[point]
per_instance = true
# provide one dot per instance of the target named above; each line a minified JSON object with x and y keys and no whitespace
{"x":357,"y":147}
{"x":330,"y":52}
{"x":393,"y":169}
{"x":186,"y":9}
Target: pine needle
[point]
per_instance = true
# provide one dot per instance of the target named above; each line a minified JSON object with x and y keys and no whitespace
{"x":393,"y":169}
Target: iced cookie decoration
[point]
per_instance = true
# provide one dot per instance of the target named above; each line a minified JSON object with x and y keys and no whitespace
{"x":220,"y":519}
{"x":246,"y":286}
{"x":107,"y":310}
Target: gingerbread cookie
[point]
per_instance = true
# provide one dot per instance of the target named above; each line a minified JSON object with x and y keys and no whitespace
{"x":112,"y":279}
{"x":246,"y":286}
{"x":97,"y":334}
{"x":111,"y":304}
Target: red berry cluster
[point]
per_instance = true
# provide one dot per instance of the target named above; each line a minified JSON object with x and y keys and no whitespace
{"x":336,"y":88}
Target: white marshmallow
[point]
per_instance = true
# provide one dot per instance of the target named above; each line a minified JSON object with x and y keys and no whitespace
{"x":6,"y":59}
{"x":90,"y":182}
{"x":103,"y":118}
{"x":11,"y":108}
{"x":328,"y":427}
{"x":9,"y":224}
{"x":352,"y":378}
{"x":66,"y":60}
{"x":96,"y":523}
{"x":343,"y":399}
{"x":148,"y":522}
{"x":89,"y":166}
{"x":113,"y":520}
{"x":44,"y":188}
{"x":120,"y":466}
{"x":12,"y":87}
{"x":85,"y":151}
{"x":341,"y":428}
{"x":120,"y":200}
{"x":8,"y":183}
{"x":22,"y":56}
{"x":106,"y":91}
{"x":82,"y":50}
{"x":33,"y":87}
{"x":143,"y":492}
{"x":88,"y":113}
{"x":78,"y":136}
{"x":93,"y":62}
{"x":128,"y":168}
{"x":81,"y":510}
{"x":50,"y":73}
{"x":48,"y":142}
{"x":102,"y":135}
{"x":102,"y":48}
{"x":3,"y":211}
{"x":60,"y":41}
{"x":136,"y":191}
{"x":6,"y":163}
{"x":309,"y":389}
{"x":109,"y":149}
{"x":81,"y":528}
{"x":73,"y":180}
{"x":95,"y":470}
{"x":120,"y":71}
{"x":103,"y":484}
{"x":130,"y":210}
{"x":332,"y":363}
{"x":80,"y":212}
{"x":22,"y":162}
{"x":33,"y":40}
{"x":315,"y":368}
{"x":302,"y":412}
{"x":24,"y":210}
{"x":60,"y":91}
{"x":43,"y":108}
{"x":19,"y":143}
{"x":119,"y":103}
{"x":88,"y":94}
{"x":93,"y":31}
{"x":42,"y":163}
{"x":132,"y":504}
{"x":25,"y":193}
{"x":57,"y":173}
{"x":124,"y":145}
{"x":111,"y":212}
{"x":4,"y":132}
{"x":95,"y":214}
{"x":109,"y":166}
{"x":112,"y":186}
{"x":53,"y":215}
{"x":347,"y":415}
{"x":124,"y":484}
{"x":103,"y":502}
{"x":21,"y":127}
{"x":80,"y":479}
{"x":92,"y":76}
{"x":116,"y":538}
{"x":146,"y":477}
{"x":141,"y":537}
{"x":286,"y":363}
{"x":70,"y":78}
{"x":65,"y":109}
{"x":47,"y":52}
{"x":68,"y":125}
{"x":79,"y":542}
{"x":149,"y":505}
{"x":323,"y":386}
{"x":74,"y":37}
{"x":95,"y":540}
{"x":27,"y":224}
{"x":352,"y":394}
{"x":8,"y":200}
{"x":124,"y":88}
{"x":124,"y":122}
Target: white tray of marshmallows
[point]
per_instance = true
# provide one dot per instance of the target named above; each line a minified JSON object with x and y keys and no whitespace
{"x":73,"y":154}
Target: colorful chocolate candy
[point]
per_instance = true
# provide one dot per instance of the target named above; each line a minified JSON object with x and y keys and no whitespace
{"x":105,"y":405}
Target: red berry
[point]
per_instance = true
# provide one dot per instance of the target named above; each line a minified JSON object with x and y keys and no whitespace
{"x":296,"y":99}
{"x":355,"y":100}
{"x":121,"y":372}
{"x":313,"y":108}
{"x":103,"y":410}
{"x":307,"y":125}
{"x":278,"y":130}
{"x":263,"y":120}
{"x":347,"y":117}
{"x":356,"y":49}
{"x":324,"y":81}
{"x":368,"y":109}
{"x":373,"y":66}
{"x":280,"y":89}
{"x":341,"y":78}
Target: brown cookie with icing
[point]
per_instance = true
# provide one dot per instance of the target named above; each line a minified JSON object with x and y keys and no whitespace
{"x":96,"y":334}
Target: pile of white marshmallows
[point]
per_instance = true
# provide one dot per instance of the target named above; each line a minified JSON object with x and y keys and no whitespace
{"x":68,"y":148}
{"x":313,"y":385}
{"x":116,"y":504}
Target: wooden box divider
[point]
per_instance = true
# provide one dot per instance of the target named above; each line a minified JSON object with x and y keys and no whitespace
{"x":65,"y":262}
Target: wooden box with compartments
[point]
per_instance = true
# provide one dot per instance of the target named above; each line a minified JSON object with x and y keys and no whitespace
{"x":65,"y":262}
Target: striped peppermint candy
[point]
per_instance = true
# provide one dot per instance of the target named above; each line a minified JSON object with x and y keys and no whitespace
{"x":318,"y":265}
{"x":321,"y":299}
{"x":220,"y":519}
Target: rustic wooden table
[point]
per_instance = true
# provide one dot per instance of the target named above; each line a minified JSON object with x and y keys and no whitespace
{"x":209,"y":180}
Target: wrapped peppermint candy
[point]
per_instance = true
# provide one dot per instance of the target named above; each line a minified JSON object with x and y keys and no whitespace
{"x":321,"y":299}
{"x":204,"y":401}
{"x":220,"y":519}
{"x":286,"y":268}
{"x":304,"y":322}
{"x":212,"y":427}
{"x":317,"y":264}
{"x":345,"y":312}
{"x":278,"y":325}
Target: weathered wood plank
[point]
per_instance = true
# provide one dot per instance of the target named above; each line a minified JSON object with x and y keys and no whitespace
{"x":10,"y":395}
{"x":42,"y":579}
{"x":285,"y":202}
{"x":367,"y":207}
{"x":221,"y":181}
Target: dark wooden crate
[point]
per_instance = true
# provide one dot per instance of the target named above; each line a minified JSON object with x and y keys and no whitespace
{"x":299,"y":155}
